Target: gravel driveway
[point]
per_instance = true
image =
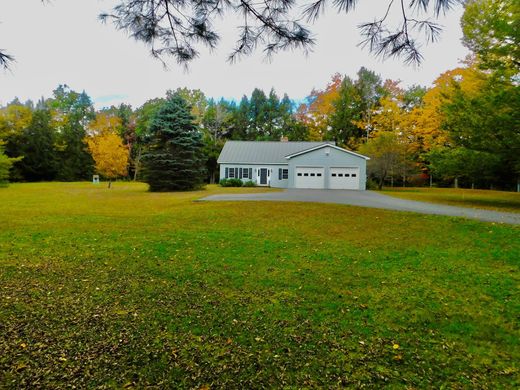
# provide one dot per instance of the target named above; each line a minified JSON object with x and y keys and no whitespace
{"x":374,"y":200}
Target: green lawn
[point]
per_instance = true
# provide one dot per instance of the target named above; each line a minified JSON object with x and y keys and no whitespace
{"x":484,"y":199}
{"x":121,"y":287}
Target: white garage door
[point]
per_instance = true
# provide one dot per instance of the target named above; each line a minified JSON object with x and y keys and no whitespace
{"x":310,"y":177}
{"x":344,"y":178}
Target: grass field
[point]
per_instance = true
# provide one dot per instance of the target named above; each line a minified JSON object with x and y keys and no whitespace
{"x":125,"y":288}
{"x":484,"y":199}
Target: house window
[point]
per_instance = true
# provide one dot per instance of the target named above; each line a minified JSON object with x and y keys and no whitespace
{"x":333,"y":175}
{"x":318,"y":174}
{"x":347,"y":174}
{"x":299,"y":174}
{"x":234,"y":173}
{"x":354,"y":175}
{"x":313,"y":174}
{"x":245,"y":173}
{"x":340,"y":174}
{"x":283,"y":174}
{"x":305,"y":174}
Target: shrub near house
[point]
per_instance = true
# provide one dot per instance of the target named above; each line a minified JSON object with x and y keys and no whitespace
{"x":231,"y":183}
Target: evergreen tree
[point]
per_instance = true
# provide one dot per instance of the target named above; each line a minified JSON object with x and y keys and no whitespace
{"x":174,"y":157}
{"x":257,"y":115}
{"x":271,"y":128}
{"x":241,"y":120}
{"x":76,"y":163}
{"x":39,"y":162}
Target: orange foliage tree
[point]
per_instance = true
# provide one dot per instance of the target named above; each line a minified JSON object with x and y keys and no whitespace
{"x":316,"y":113}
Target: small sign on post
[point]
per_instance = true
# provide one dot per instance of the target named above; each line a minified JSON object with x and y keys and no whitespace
{"x":95,"y":179}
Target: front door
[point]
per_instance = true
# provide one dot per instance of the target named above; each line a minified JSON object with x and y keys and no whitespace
{"x":263,"y":176}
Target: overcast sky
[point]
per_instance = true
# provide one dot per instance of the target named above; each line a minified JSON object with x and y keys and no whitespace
{"x":64,"y":43}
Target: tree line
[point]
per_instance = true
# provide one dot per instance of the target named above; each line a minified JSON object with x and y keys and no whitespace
{"x":64,"y":138}
{"x":462,"y":131}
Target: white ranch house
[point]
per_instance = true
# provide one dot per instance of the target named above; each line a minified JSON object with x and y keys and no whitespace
{"x":320,"y":165}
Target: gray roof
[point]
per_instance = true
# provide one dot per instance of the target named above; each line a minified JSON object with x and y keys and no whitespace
{"x":262,"y":152}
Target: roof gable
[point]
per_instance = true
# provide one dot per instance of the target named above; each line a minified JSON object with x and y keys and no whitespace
{"x":263,"y":152}
{"x":312,"y":149}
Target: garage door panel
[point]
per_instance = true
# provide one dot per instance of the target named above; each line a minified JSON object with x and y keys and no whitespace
{"x":310,"y":177}
{"x":344,"y":178}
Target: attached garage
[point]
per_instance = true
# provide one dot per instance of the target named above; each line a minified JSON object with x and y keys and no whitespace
{"x":309,"y":177}
{"x":327,"y":167}
{"x":345,"y":178}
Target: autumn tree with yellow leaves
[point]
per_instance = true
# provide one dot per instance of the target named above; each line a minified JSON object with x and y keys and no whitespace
{"x":106,"y":146}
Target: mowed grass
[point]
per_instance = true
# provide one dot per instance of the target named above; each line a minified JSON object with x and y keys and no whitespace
{"x":484,"y":199}
{"x":125,"y":288}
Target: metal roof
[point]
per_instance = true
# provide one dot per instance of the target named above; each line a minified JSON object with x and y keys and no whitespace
{"x":262,"y":152}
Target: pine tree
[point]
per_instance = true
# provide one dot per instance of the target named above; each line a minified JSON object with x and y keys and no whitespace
{"x":174,"y":158}
{"x":39,"y":162}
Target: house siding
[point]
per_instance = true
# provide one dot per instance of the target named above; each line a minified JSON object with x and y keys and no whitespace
{"x":273,"y":177}
{"x":335,"y":158}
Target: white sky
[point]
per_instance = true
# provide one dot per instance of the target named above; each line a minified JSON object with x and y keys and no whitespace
{"x":64,"y":43}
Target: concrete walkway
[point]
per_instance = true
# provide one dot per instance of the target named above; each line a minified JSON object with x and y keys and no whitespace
{"x":373,"y":200}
